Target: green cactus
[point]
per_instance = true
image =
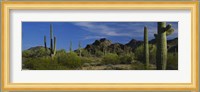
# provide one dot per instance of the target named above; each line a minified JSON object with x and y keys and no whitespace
{"x":70,"y":47}
{"x":146,"y":48}
{"x":45,"y":43}
{"x":54,"y":49}
{"x":79,"y":48}
{"x":52,"y":43}
{"x":51,"y":40}
{"x":161,"y":53}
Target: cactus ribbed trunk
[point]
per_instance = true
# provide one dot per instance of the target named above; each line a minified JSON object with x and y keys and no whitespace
{"x":146,"y":48}
{"x":51,"y":39}
{"x":79,"y":47}
{"x":45,"y":43}
{"x":161,"y":55}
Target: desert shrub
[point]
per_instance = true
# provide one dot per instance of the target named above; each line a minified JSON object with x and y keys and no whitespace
{"x":61,"y":52}
{"x":86,"y":60}
{"x":99,"y":53}
{"x":61,"y":58}
{"x":152,"y":54}
{"x":139,"y":53}
{"x":137,"y":66}
{"x":26,"y":53}
{"x":85,"y":53}
{"x":71,"y":60}
{"x":126,"y":58}
{"x":172,"y":61}
{"x":36,"y":52}
{"x":110,"y":58}
{"x":42,"y":63}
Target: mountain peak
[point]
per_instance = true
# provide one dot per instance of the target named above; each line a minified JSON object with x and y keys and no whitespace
{"x":102,"y":41}
{"x":134,"y":43}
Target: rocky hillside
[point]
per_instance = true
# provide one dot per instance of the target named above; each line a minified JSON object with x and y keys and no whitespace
{"x":106,"y":45}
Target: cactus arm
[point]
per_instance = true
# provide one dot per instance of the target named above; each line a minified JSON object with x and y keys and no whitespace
{"x":51,"y":39}
{"x":169,"y":30}
{"x":155,"y":35}
{"x":54,"y":49}
{"x":79,"y":47}
{"x":169,"y":26}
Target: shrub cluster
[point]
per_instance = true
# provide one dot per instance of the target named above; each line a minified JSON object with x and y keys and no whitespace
{"x":112,"y":58}
{"x":139,"y":53}
{"x":172,"y":61}
{"x":62,"y":60}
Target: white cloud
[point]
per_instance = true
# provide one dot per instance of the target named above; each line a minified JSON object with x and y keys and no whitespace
{"x":102,"y":29}
{"x":93,"y":37}
{"x":132,"y":30}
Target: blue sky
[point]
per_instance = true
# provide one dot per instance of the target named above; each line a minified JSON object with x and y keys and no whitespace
{"x":87,"y":32}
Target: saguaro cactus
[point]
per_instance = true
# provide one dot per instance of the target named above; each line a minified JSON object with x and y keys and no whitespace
{"x":70,"y":47}
{"x":45,"y":43}
{"x":79,"y":48}
{"x":161,"y":53}
{"x":51,"y":40}
{"x":54,"y":49}
{"x":52,"y":43}
{"x":146,"y":48}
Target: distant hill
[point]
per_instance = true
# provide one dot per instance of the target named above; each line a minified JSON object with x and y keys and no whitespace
{"x":104,"y":45}
{"x":33,"y":52}
{"x":134,"y":44}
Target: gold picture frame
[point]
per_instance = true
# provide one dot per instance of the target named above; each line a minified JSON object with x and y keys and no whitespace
{"x":5,"y":41}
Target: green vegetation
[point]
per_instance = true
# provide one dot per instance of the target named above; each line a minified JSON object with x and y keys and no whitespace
{"x":139,"y":53}
{"x":105,"y":55}
{"x":111,"y":58}
{"x":172,"y":61}
{"x":126,"y":58}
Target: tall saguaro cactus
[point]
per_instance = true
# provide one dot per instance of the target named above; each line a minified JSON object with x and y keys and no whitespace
{"x":45,"y":43}
{"x":54,"y":47}
{"x":146,"y":48}
{"x":52,"y":43}
{"x":70,"y":47}
{"x":51,"y":40}
{"x":161,"y":53}
{"x":79,"y":48}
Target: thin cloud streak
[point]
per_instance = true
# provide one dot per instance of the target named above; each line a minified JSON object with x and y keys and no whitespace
{"x":93,"y":37}
{"x":124,"y":29}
